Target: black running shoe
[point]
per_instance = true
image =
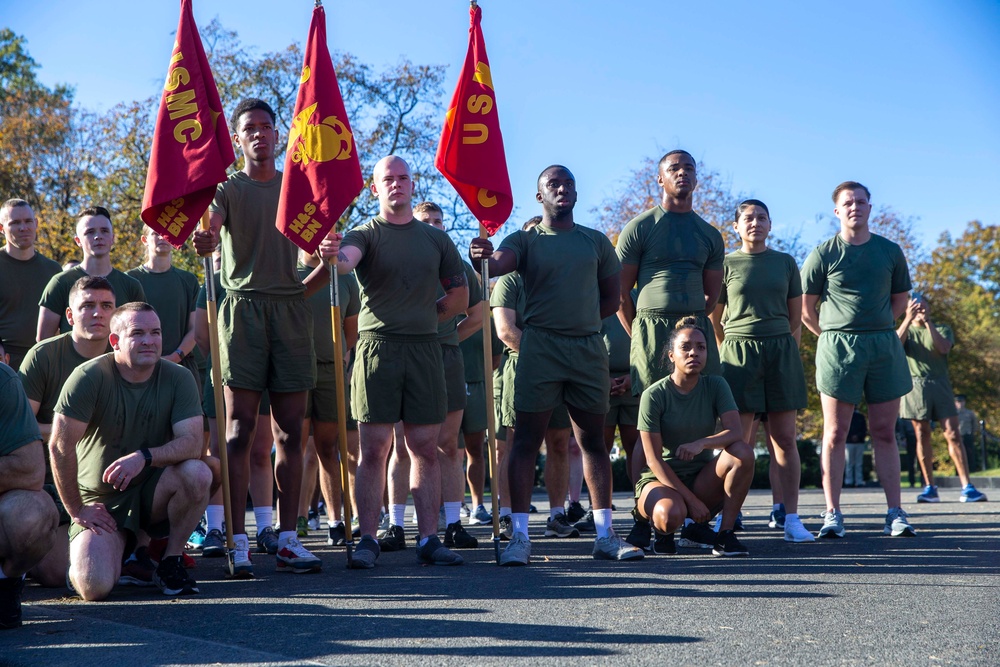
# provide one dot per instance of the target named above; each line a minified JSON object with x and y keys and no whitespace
{"x":698,"y":536}
{"x":664,"y":544}
{"x":506,"y":528}
{"x":10,"y":602}
{"x":727,"y":546}
{"x":336,"y":535}
{"x":394,"y":540}
{"x":457,"y":537}
{"x":575,"y":512}
{"x":641,"y":534}
{"x":173,"y":579}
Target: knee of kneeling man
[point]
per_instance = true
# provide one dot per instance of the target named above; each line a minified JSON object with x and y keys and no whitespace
{"x":741,"y":451}
{"x":195,"y":473}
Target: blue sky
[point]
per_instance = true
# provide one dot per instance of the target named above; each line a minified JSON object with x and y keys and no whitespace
{"x":785,"y":99}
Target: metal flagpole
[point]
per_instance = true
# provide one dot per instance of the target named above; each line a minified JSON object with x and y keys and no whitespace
{"x":220,"y":404}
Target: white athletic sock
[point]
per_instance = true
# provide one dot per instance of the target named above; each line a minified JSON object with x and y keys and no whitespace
{"x":215,"y":514}
{"x":452,"y":512}
{"x":397,"y":516}
{"x":333,"y":523}
{"x":264,"y":516}
{"x":602,"y":522}
{"x":556,"y":510}
{"x":777,"y":506}
{"x":505,"y":511}
{"x":285,"y":536}
{"x":520,"y":521}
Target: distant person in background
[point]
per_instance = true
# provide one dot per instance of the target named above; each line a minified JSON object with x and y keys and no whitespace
{"x":968,"y":427}
{"x":857,"y":441}
{"x":927,"y":346}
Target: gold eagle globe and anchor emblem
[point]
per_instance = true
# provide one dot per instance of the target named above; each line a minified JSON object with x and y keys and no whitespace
{"x":327,"y":140}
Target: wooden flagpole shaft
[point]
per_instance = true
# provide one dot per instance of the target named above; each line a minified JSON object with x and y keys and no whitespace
{"x":338,"y":364}
{"x":491,"y":429}
{"x":220,"y":404}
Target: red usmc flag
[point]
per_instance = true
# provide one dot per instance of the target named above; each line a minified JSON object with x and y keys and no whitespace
{"x":191,"y":144}
{"x":470,"y":153}
{"x":322,"y":170}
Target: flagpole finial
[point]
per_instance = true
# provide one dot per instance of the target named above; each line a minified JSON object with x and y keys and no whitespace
{"x":319,"y":3}
{"x":472,"y":3}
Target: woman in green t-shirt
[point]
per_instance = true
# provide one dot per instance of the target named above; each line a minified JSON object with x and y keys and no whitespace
{"x":758,"y":322}
{"x":683,"y":483}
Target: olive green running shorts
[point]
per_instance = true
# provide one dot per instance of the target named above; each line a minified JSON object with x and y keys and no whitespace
{"x":398,"y":379}
{"x":132,"y":508}
{"x":560,"y":415}
{"x":650,"y":336}
{"x":624,"y":411}
{"x":872,"y":366}
{"x":454,"y":376}
{"x":686,"y":471}
{"x":931,"y":399}
{"x":321,"y":404}
{"x":555,"y":369}
{"x":267,"y":343}
{"x":474,"y":417}
{"x":765,"y":374}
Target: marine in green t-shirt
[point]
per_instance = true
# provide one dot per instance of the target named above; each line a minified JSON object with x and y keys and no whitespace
{"x":855,"y":286}
{"x":675,"y":259}
{"x":127,"y":423}
{"x":24,"y":273}
{"x":927,"y":346}
{"x":96,"y":237}
{"x":571,"y":276}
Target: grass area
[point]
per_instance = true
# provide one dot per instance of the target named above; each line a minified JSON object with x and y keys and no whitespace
{"x":995,"y":472}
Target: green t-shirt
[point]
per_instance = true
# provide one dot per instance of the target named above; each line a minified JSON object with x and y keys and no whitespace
{"x":921,"y":357}
{"x":123,"y":417}
{"x":319,"y":302}
{"x":257,"y":259}
{"x":56,"y":295}
{"x":45,"y":370}
{"x":756,"y":289}
{"x":448,"y":331}
{"x":19,"y":306}
{"x":508,"y":292}
{"x":19,"y":425}
{"x":400,"y":274}
{"x":671,"y":251}
{"x":854,"y":283}
{"x":619,"y":345}
{"x":561,"y":269}
{"x":173,"y":294}
{"x":681,"y":418}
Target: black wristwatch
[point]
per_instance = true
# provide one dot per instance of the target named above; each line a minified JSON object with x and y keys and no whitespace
{"x":146,"y":455}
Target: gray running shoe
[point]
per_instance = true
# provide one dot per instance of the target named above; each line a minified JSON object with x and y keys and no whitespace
{"x":267,"y":541}
{"x":435,"y":553}
{"x":365,"y":555}
{"x":697,"y":536}
{"x":559,"y":526}
{"x":480,"y":517}
{"x":506,"y":528}
{"x":833,"y":525}
{"x":613,"y":547}
{"x":586,"y":523}
{"x":518,"y":552}
{"x":393,"y":540}
{"x":214,"y":545}
{"x":897,"y":525}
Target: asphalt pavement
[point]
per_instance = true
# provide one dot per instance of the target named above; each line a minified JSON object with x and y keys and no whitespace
{"x":864,"y":600}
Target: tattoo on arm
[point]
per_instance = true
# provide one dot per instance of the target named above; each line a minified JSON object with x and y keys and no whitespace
{"x":457,"y":280}
{"x":341,"y":257}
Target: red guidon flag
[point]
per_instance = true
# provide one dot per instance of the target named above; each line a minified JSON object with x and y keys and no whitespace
{"x":322,"y":170}
{"x":470,"y":153}
{"x":191,"y":145}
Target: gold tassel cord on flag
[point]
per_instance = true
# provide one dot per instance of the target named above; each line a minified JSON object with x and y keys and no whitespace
{"x":338,"y":364}
{"x":220,"y":404}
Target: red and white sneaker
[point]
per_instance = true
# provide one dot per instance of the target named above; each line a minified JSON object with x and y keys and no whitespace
{"x":293,"y":557}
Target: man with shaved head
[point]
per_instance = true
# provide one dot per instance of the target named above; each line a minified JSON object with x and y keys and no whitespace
{"x":401,"y":264}
{"x":571,"y":278}
{"x":96,"y":237}
{"x":24,"y":273}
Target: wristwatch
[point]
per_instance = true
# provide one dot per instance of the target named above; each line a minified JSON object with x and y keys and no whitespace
{"x":147,"y":455}
{"x":180,"y":354}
